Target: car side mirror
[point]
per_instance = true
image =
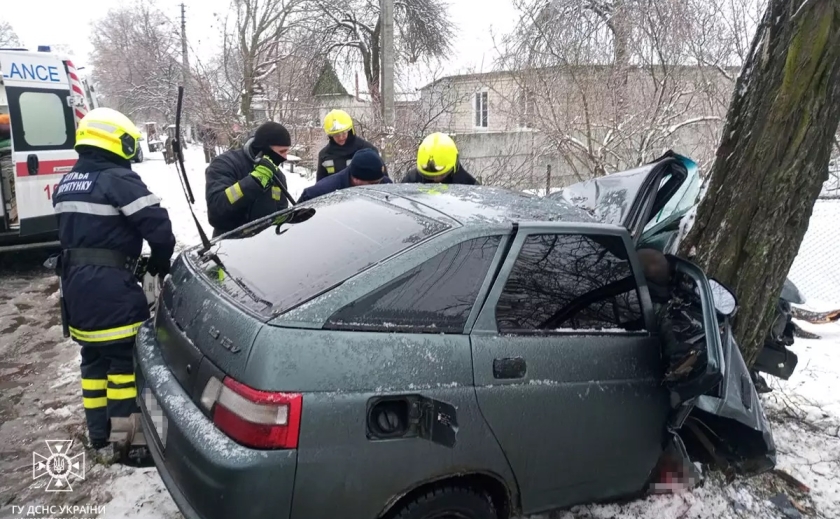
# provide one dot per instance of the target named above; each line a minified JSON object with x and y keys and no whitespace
{"x":725,"y":301}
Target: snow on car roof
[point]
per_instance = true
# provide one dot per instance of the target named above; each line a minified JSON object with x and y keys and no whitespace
{"x":477,"y":204}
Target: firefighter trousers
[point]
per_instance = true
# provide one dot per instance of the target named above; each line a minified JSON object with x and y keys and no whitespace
{"x":108,"y":387}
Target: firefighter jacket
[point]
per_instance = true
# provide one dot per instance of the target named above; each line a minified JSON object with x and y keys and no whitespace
{"x":103,"y":207}
{"x":461,"y":176}
{"x":334,"y":158}
{"x":340,"y":180}
{"x":234,"y":197}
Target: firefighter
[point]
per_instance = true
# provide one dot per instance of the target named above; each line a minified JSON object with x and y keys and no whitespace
{"x":241,"y":185}
{"x":342,"y":146}
{"x":104,"y":213}
{"x":367,"y":168}
{"x":437,"y":162}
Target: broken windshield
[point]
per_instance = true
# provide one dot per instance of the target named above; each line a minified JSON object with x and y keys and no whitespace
{"x":684,"y":199}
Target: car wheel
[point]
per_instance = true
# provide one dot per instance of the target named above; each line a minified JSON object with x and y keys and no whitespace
{"x":139,"y":157}
{"x":449,"y":503}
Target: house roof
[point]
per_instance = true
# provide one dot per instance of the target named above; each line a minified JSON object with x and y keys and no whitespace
{"x":503,"y":73}
{"x":328,"y":83}
{"x":466,"y":77}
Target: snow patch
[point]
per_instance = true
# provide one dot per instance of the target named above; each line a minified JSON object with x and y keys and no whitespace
{"x":138,"y":494}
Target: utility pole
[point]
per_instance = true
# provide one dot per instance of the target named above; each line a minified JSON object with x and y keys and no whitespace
{"x":387,"y":87}
{"x":185,"y":63}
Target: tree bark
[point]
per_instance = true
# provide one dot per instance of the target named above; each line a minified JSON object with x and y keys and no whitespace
{"x":772,"y":160}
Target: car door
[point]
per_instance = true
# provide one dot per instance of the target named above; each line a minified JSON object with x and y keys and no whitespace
{"x":693,"y":288}
{"x":720,"y":415}
{"x":567,"y":372}
{"x":43,"y":134}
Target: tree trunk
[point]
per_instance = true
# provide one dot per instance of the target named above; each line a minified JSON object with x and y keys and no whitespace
{"x":373,"y":64}
{"x":772,"y":160}
{"x":622,"y":28}
{"x":247,"y":94}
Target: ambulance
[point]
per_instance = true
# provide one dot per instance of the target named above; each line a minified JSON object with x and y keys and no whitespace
{"x":42,"y":99}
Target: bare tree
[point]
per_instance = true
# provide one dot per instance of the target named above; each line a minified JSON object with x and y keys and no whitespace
{"x":262,"y":36}
{"x":421,"y":32}
{"x":288,"y":91}
{"x":215,"y":101}
{"x":135,"y":60}
{"x":611,"y":83}
{"x":8,"y":36}
{"x":772,"y":160}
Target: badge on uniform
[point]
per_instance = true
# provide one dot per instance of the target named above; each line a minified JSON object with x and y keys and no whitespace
{"x":76,"y":183}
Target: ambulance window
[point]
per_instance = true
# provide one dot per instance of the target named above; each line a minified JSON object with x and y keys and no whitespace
{"x":42,"y":119}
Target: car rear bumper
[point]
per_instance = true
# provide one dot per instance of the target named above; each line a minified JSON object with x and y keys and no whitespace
{"x":208,"y":475}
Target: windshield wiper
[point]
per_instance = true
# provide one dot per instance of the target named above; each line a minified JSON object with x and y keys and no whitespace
{"x":238,"y":282}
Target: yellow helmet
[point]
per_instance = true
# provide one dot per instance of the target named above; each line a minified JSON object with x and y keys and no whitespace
{"x":437,"y":155}
{"x":337,"y":121}
{"x":109,"y":130}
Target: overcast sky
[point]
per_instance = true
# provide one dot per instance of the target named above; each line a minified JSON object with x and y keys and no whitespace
{"x":43,"y":22}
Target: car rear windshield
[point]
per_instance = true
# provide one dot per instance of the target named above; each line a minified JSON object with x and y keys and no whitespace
{"x":272,"y":268}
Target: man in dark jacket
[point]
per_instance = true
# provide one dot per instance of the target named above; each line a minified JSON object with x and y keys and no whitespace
{"x":437,"y":163}
{"x":104,"y":213}
{"x":342,"y":146}
{"x":367,"y":168}
{"x":240,"y":185}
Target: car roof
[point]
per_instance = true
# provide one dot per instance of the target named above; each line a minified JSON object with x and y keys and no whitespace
{"x":479,"y":205}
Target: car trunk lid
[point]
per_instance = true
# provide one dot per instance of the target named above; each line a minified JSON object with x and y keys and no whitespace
{"x":192,"y":323}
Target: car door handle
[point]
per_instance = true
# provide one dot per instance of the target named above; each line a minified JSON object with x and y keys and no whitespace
{"x":32,"y":164}
{"x":509,"y":368}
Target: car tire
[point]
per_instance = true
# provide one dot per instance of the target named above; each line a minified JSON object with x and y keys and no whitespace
{"x":450,"y":502}
{"x":139,"y":156}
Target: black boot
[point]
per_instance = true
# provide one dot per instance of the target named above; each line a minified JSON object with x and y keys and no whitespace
{"x":138,"y":456}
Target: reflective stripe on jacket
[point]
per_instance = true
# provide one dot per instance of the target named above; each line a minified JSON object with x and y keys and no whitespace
{"x":234,"y":197}
{"x":102,"y":204}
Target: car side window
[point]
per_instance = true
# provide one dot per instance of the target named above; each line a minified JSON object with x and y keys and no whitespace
{"x":434,"y":297}
{"x":42,"y":119}
{"x":570,"y":282}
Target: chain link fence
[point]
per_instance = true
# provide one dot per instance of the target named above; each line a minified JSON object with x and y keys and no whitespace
{"x":816,"y":269}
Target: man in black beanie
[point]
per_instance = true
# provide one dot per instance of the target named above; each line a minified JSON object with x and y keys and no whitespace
{"x":240,"y":185}
{"x":365,"y":168}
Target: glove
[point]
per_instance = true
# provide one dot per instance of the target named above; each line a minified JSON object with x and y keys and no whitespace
{"x":264,"y":172}
{"x":158,"y":266}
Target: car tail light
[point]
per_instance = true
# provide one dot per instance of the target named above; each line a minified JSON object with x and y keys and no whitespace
{"x":260,"y":419}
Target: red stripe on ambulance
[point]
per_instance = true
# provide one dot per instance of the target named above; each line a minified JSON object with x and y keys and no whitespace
{"x":46,"y":167}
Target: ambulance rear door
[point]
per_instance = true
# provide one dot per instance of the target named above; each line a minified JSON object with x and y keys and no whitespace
{"x":43,"y":134}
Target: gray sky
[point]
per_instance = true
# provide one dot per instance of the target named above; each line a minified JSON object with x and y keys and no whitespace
{"x":41,"y":22}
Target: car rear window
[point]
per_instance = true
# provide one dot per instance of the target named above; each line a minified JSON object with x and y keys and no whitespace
{"x":271,"y":269}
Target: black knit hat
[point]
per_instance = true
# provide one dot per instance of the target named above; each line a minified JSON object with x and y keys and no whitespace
{"x":366,"y":164}
{"x":271,"y":134}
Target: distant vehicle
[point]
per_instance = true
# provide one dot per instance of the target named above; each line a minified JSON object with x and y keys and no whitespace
{"x":44,"y":97}
{"x":426,"y":351}
{"x":154,"y":137}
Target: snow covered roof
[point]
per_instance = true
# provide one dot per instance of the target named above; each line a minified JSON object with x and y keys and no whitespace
{"x":495,"y":74}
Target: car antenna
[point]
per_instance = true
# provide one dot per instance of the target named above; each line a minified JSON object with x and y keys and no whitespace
{"x":182,"y":172}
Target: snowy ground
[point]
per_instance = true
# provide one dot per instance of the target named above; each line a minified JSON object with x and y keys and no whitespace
{"x":39,"y":396}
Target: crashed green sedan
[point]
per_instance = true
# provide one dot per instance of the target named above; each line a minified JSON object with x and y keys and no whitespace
{"x":415,"y":351}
